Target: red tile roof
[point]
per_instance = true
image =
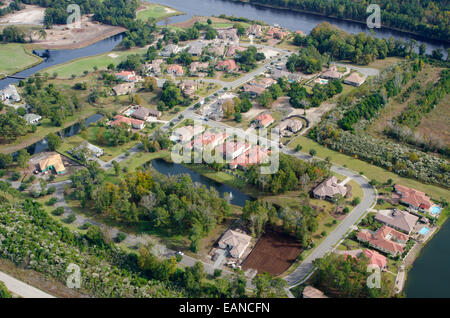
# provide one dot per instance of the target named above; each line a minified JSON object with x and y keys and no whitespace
{"x":413,"y":197}
{"x":119,"y":119}
{"x":265,"y":119}
{"x":228,"y":64}
{"x":382,"y":239}
{"x":376,"y":258}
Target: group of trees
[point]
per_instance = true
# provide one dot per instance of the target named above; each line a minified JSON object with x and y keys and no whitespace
{"x":292,"y":174}
{"x":347,"y":277}
{"x":427,"y":18}
{"x":366,"y":109}
{"x":247,"y":59}
{"x":12,"y":33}
{"x":170,"y":97}
{"x":172,"y":204}
{"x":309,"y":60}
{"x":12,"y":126}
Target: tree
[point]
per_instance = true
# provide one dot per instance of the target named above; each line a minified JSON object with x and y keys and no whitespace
{"x":5,"y":160}
{"x":312,"y":152}
{"x":116,"y":166}
{"x":53,"y":141}
{"x":267,"y":286}
{"x":22,"y":158}
{"x":4,"y":293}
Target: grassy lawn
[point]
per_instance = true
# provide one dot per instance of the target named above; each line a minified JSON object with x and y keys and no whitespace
{"x":101,"y":61}
{"x":14,"y":58}
{"x":370,"y":171}
{"x":156,"y":11}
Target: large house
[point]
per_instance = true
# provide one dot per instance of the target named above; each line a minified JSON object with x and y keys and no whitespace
{"x":127,"y":76}
{"x":291,"y":125}
{"x":188,"y":88}
{"x":232,"y":149}
{"x":52,"y":162}
{"x":397,"y":219}
{"x":32,"y":119}
{"x":186,"y":133}
{"x":123,"y":89}
{"x":209,"y":139}
{"x":154,"y":67}
{"x":196,"y":67}
{"x":89,"y":149}
{"x":169,"y":50}
{"x":276,"y":33}
{"x":414,"y":199}
{"x":196,"y":48}
{"x":385,"y":239}
{"x":143,"y":113}
{"x":253,"y":90}
{"x":9,"y":92}
{"x":332,"y":73}
{"x":329,"y":189}
{"x":264,"y":120}
{"x":255,"y":30}
{"x":135,"y":123}
{"x":175,"y":69}
{"x":253,"y":156}
{"x":236,"y":242}
{"x":376,"y":258}
{"x":227,"y":65}
{"x":228,"y":35}
{"x":355,"y":79}
{"x":233,"y":49}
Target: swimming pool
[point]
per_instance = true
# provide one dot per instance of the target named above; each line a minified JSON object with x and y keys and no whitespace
{"x":424,"y":231}
{"x":435,"y":209}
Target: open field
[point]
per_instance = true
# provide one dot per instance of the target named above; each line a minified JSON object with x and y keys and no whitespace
{"x":78,"y":66}
{"x":155,"y":11}
{"x":436,"y":123}
{"x":15,"y":58}
{"x":370,"y":171}
{"x":273,"y":253}
{"x":31,"y":14}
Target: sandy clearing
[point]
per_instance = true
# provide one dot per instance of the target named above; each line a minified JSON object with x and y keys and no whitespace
{"x":113,"y":55}
{"x":30,"y":15}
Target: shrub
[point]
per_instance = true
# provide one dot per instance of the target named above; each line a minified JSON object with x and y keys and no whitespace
{"x":356,"y":201}
{"x":52,"y":201}
{"x":217,"y":273}
{"x":58,"y":211}
{"x":71,"y":218}
{"x":120,"y":237}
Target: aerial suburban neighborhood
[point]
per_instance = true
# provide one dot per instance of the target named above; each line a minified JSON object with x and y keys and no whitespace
{"x":172,"y":150}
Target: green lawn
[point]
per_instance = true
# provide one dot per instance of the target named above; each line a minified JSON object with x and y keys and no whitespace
{"x":14,"y":58}
{"x":101,"y":61}
{"x":370,"y":171}
{"x":156,"y":11}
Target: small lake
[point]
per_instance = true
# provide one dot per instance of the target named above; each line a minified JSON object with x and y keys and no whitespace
{"x":429,"y":276}
{"x":42,"y":144}
{"x":55,"y":57}
{"x":167,"y":168}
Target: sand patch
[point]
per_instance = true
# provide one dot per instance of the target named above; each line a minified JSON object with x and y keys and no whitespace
{"x":112,"y":55}
{"x":30,"y":15}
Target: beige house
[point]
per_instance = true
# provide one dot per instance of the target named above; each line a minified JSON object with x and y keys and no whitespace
{"x":236,"y":242}
{"x":123,"y":89}
{"x":52,"y":162}
{"x":355,"y":79}
{"x":397,"y":219}
{"x":329,"y":188}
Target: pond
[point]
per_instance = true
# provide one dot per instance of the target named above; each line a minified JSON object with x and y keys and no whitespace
{"x":167,"y":168}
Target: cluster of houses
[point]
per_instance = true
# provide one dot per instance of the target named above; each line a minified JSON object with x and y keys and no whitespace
{"x":236,"y":154}
{"x":354,"y":78}
{"x":135,"y":117}
{"x":256,"y":87}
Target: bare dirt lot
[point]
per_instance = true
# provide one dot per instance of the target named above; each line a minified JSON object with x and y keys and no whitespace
{"x":64,"y":37}
{"x":32,"y":14}
{"x":274,"y":253}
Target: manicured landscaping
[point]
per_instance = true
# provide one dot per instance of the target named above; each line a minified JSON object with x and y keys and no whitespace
{"x":14,"y":57}
{"x":156,"y":11}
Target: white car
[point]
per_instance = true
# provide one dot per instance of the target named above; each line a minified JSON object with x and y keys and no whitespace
{"x":180,"y":253}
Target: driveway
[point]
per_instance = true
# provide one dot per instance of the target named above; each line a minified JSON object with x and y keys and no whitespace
{"x":22,"y":289}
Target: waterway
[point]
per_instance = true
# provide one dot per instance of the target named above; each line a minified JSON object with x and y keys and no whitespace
{"x":56,"y":57}
{"x":430,"y":273}
{"x":167,"y":168}
{"x":289,"y":19}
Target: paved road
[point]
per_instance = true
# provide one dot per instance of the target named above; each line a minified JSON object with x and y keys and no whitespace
{"x":22,"y":289}
{"x":368,"y":71}
{"x":367,"y":202}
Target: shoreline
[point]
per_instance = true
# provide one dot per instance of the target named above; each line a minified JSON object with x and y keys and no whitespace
{"x":342,"y":19}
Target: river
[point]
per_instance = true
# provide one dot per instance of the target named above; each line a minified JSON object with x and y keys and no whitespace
{"x":167,"y":168}
{"x":55,"y":57}
{"x":289,"y":19}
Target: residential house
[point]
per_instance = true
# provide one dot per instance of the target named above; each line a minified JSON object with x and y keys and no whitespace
{"x":134,"y":123}
{"x":186,"y":133}
{"x":264,"y":120}
{"x":292,"y":77}
{"x":9,"y":92}
{"x":154,"y":67}
{"x":276,"y":33}
{"x":227,"y":66}
{"x":169,"y":49}
{"x":290,"y":125}
{"x":376,"y":258}
{"x":188,"y":88}
{"x":235,"y":242}
{"x":414,"y":199}
{"x":329,"y":189}
{"x":217,"y":49}
{"x":228,"y":35}
{"x":90,"y":149}
{"x":52,"y":162}
{"x":264,"y":82}
{"x":332,"y":73}
{"x":175,"y":69}
{"x":355,"y":79}
{"x":254,"y":156}
{"x":311,"y":292}
{"x":197,"y":67}
{"x":385,"y":239}
{"x":124,"y":88}
{"x":196,"y":48}
{"x":32,"y":119}
{"x":209,"y":139}
{"x":397,"y":219}
{"x":143,"y":113}
{"x":233,"y":49}
{"x":255,"y":30}
{"x":253,"y":90}
{"x":127,"y":76}
{"x":232,"y":149}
